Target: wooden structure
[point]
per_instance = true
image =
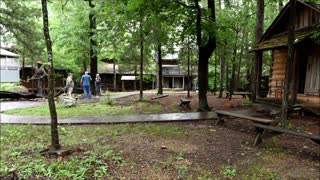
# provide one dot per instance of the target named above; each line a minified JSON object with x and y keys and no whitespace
{"x":305,"y":79}
{"x":243,"y":94}
{"x":222,"y":114}
{"x":60,"y":77}
{"x":184,"y":102}
{"x":9,"y":66}
{"x":261,"y":128}
{"x":109,"y":70}
{"x":173,"y":76}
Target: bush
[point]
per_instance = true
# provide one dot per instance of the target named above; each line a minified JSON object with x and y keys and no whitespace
{"x":14,"y":87}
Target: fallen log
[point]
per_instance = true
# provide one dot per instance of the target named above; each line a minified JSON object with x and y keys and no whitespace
{"x":18,"y":95}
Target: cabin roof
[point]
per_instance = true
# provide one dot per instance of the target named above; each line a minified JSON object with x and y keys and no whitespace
{"x":284,"y":13}
{"x":282,"y":40}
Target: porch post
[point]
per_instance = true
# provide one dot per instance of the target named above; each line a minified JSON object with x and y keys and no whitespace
{"x":173,"y":82}
{"x":183,"y":82}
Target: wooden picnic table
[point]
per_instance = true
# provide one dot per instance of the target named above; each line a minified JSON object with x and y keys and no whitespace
{"x":185,"y":102}
{"x":243,"y":94}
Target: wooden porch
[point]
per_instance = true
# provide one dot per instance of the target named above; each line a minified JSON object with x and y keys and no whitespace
{"x":309,"y":103}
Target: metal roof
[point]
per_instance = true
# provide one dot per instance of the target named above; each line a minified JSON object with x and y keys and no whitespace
{"x":128,"y":78}
{"x":4,"y":52}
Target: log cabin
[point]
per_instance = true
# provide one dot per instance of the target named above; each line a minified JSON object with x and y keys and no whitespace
{"x":305,"y":79}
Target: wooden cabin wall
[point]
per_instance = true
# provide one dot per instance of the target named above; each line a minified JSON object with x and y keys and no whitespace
{"x":306,"y":17}
{"x":277,"y":70}
{"x":312,"y":83}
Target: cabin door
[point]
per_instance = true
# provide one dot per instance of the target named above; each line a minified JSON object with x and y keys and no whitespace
{"x":312,"y":85}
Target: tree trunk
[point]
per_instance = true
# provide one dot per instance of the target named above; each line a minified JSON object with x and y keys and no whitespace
{"x":160,"y":70}
{"x":240,"y":61}
{"x":222,"y":62}
{"x":114,"y":76}
{"x":52,"y":107}
{"x":23,"y":64}
{"x":205,"y":52}
{"x":284,"y":107}
{"x":256,"y":80}
{"x":93,"y":43}
{"x":227,"y":76}
{"x":215,"y":76}
{"x":233,"y":67}
{"x":189,"y":83}
{"x":141,"y":61}
{"x":294,"y":81}
{"x":135,"y":75}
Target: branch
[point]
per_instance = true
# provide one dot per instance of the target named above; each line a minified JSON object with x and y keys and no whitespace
{"x":183,"y":4}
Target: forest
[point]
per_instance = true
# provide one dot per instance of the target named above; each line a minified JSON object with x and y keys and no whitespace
{"x":85,"y":32}
{"x":267,"y":50}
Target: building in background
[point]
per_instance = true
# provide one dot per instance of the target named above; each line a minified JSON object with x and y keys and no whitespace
{"x":9,"y":65}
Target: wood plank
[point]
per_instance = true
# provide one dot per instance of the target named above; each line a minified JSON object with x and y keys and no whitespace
{"x":160,"y":96}
{"x":255,"y":119}
{"x":288,"y":131}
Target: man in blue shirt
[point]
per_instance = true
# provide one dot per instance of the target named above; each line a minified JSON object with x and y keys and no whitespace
{"x":85,"y":81}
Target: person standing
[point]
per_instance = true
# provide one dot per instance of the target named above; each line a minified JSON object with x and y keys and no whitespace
{"x":85,"y":82}
{"x":98,"y":85}
{"x":39,"y":76}
{"x":69,"y":84}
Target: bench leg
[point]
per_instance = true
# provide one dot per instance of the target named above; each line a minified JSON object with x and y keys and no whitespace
{"x":220,"y":120}
{"x":258,"y":138}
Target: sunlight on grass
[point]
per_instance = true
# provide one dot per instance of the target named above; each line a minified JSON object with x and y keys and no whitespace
{"x":94,"y":109}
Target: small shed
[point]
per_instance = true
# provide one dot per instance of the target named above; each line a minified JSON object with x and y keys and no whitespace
{"x":9,"y":65}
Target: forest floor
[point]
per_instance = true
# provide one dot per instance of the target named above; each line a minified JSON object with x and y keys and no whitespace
{"x":179,"y":150}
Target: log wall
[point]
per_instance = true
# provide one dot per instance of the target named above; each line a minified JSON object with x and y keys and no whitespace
{"x":277,"y":72}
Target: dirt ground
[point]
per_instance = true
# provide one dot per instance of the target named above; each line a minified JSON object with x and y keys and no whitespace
{"x":209,"y":150}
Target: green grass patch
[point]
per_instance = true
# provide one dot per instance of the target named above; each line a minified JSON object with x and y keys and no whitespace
{"x":93,"y":109}
{"x":20,"y":146}
{"x":257,"y":171}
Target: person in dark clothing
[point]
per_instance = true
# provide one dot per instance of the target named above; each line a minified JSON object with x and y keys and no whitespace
{"x":98,"y":85}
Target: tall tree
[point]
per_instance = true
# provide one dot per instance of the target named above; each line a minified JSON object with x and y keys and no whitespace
{"x":290,"y":58}
{"x":159,"y":69}
{"x":205,"y":51}
{"x":257,"y":70}
{"x":52,"y":107}
{"x":93,"y":43}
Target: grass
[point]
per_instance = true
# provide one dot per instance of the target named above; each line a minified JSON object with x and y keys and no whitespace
{"x":95,"y":109}
{"x":20,"y":146}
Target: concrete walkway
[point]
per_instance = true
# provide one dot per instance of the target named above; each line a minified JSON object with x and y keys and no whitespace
{"x":169,"y":117}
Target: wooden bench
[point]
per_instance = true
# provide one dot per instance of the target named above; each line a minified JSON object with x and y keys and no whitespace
{"x":254,"y":119}
{"x":185,"y":102}
{"x":261,"y":128}
{"x":160,"y":96}
{"x":297,"y":108}
{"x":243,"y":94}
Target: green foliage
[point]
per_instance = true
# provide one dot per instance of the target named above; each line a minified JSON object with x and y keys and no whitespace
{"x":247,"y":102}
{"x":180,"y":156}
{"x":229,"y":172}
{"x":257,"y":171}
{"x":182,"y":170}
{"x":8,"y":86}
{"x":20,"y":147}
{"x":97,"y":109}
{"x":108,"y":100}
